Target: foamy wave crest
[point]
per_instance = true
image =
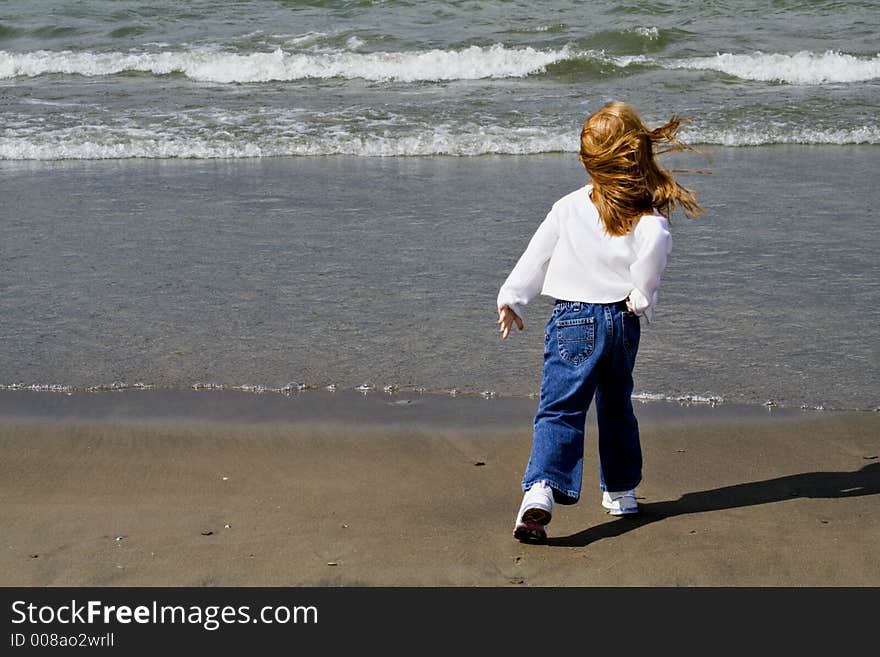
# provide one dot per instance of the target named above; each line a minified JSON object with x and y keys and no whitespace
{"x":764,"y":135}
{"x":467,"y":140}
{"x":459,"y":141}
{"x":22,"y":149}
{"x":60,"y":387}
{"x":650,"y":33}
{"x":800,"y":68}
{"x":681,"y":399}
{"x":470,"y":63}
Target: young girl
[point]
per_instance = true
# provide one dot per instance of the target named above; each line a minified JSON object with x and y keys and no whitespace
{"x":599,"y":253}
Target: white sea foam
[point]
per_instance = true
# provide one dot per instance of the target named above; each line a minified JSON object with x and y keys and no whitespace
{"x":766,"y":135}
{"x":650,"y":33}
{"x":465,"y":140}
{"x":365,"y":388}
{"x":681,"y":399}
{"x":60,"y":387}
{"x":48,"y":103}
{"x":806,"y":68}
{"x":205,"y":65}
{"x":302,"y":39}
{"x":445,"y":140}
{"x":38,"y":387}
{"x":472,"y":63}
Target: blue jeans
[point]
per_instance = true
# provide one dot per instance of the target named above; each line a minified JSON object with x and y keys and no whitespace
{"x":589,"y":349}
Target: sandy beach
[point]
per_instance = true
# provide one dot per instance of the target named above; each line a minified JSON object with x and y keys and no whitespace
{"x":186,"y":488}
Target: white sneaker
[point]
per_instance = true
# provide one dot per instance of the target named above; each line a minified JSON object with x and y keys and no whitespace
{"x":534,"y":514}
{"x":621,"y":503}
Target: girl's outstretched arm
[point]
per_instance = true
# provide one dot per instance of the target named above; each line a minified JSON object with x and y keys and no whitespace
{"x":527,"y":278}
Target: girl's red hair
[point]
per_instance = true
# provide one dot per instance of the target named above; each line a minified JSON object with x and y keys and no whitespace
{"x":618,"y":152}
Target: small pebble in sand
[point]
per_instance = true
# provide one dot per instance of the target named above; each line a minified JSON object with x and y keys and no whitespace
{"x":120,"y":538}
{"x":225,"y":478}
{"x":227,"y":526}
{"x":344,"y":526}
{"x":480,"y":463}
{"x":207,"y":533}
{"x":34,"y":556}
{"x":332,"y":563}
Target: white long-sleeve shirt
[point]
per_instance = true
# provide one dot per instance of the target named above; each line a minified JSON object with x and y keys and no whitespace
{"x":572,"y":257}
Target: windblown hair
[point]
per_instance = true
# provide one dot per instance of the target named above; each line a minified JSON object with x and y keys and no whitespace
{"x":618,"y":152}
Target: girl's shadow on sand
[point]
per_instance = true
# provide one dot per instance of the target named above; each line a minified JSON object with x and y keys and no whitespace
{"x":809,"y":484}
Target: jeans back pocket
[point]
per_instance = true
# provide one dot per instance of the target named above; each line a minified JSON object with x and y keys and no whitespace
{"x":576,"y":338}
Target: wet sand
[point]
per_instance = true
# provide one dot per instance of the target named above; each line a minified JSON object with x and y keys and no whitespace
{"x":175,"y":487}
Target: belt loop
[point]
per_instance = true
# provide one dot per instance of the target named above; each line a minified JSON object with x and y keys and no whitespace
{"x":576,"y":307}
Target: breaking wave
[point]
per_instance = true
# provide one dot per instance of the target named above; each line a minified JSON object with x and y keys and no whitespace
{"x":805,"y":68}
{"x":472,"y":63}
{"x":472,"y":141}
{"x":449,"y":140}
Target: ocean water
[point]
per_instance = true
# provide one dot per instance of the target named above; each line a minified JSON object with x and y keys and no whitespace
{"x":273,"y":196}
{"x":90,"y":80}
{"x":381,"y":273}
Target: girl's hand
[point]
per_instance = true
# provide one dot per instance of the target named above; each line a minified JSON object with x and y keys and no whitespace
{"x":506,"y":318}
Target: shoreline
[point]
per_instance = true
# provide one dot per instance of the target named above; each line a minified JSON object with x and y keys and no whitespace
{"x":374,"y":406}
{"x":240,"y":489}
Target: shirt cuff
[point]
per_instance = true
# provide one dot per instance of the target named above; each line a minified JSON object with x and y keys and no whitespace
{"x":515,"y":307}
{"x":640,"y":304}
{"x":639,"y":301}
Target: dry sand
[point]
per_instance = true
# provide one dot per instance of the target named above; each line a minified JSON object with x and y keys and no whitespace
{"x":174,"y":488}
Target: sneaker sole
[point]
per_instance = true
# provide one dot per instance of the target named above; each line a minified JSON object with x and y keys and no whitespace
{"x":621,"y":512}
{"x":530,"y":533}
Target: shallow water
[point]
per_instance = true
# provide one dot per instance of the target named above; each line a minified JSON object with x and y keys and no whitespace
{"x":309,"y":272}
